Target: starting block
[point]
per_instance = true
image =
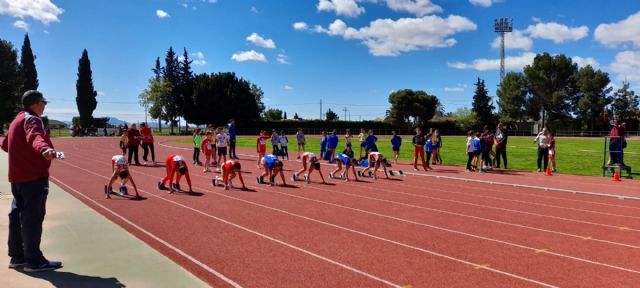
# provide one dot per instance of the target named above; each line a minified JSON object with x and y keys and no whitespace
{"x":260,"y":180}
{"x":176,"y":187}
{"x":342,"y":176}
{"x":214,"y":182}
{"x":295,"y":177}
{"x":123,"y":190}
{"x":396,"y":172}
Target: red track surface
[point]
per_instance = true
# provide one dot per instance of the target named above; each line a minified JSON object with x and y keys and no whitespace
{"x":418,"y":231}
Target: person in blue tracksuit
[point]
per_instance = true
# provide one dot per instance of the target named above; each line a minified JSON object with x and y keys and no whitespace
{"x":346,"y":160}
{"x":396,"y":141}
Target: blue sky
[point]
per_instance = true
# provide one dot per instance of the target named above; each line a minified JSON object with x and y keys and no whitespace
{"x":349,"y":53}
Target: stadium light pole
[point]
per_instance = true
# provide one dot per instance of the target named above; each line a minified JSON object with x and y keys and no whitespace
{"x":502,"y":26}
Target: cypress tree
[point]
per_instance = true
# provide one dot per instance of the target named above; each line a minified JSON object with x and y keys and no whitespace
{"x":86,"y":95}
{"x":9,"y":83}
{"x":171,"y":74}
{"x":28,"y":73}
{"x":186,"y":103}
{"x":482,"y":105}
{"x":157,"y":71}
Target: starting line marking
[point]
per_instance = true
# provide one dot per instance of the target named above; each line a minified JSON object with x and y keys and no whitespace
{"x":540,"y":250}
{"x":483,"y":266}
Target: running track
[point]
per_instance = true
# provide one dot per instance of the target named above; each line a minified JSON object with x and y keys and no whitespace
{"x":413,"y":231}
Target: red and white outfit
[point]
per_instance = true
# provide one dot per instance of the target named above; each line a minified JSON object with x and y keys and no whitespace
{"x":261,"y":144}
{"x":206,"y":147}
{"x":173,"y":163}
{"x":227,"y":171}
{"x":309,"y":156}
{"x":374,"y":156}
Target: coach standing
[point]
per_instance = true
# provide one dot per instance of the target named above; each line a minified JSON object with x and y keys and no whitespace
{"x":30,"y":153}
{"x":231,"y":128}
{"x":133,"y":141}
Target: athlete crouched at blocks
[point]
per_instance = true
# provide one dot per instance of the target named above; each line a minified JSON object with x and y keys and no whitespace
{"x":175,"y":166}
{"x":379,"y":160}
{"x":348,"y":162}
{"x":229,"y":170}
{"x":309,"y":163}
{"x":120,"y":169}
{"x":272,"y":167}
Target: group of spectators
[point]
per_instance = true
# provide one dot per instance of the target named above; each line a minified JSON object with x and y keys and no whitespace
{"x":132,"y":138}
{"x":481,"y":156}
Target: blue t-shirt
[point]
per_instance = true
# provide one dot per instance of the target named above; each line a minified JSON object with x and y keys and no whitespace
{"x":332,"y":141}
{"x":428,"y":147}
{"x":371,"y":142}
{"x":344,"y":158}
{"x":270,"y":160}
{"x":323,"y":144}
{"x":232,"y":131}
{"x":476,"y":144}
{"x":396,"y":141}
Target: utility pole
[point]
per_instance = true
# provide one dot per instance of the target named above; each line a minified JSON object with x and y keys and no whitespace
{"x":320,"y":109}
{"x":345,"y":112}
{"x":502,"y":25}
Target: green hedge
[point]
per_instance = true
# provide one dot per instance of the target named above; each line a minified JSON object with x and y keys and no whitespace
{"x":317,"y":126}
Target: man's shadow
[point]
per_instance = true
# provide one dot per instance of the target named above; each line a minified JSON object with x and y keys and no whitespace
{"x":69,"y":279}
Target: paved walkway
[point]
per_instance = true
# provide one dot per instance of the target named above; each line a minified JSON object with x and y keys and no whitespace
{"x":95,"y":252}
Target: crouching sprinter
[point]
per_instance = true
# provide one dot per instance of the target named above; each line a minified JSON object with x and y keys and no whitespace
{"x":377,"y":159}
{"x":343,"y":160}
{"x":272,"y":167}
{"x":229,"y":170}
{"x":175,"y":166}
{"x":309,"y":163}
{"x":120,"y":169}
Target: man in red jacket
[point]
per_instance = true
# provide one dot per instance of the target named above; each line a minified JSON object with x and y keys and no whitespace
{"x":133,"y":137}
{"x":30,"y":153}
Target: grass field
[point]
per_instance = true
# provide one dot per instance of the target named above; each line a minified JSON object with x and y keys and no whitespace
{"x":580,"y":156}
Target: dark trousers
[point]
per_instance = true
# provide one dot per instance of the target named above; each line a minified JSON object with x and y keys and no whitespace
{"x":196,"y":155}
{"x":470,"y":156}
{"x":428,"y":162}
{"x":285,"y":152}
{"x":276,"y":150}
{"x":25,"y":220}
{"x":232,"y":148}
{"x":146,"y":147}
{"x":615,"y":152}
{"x":501,"y":152}
{"x":133,"y":150}
{"x":543,"y":154}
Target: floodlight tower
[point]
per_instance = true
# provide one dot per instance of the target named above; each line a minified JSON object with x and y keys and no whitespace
{"x":502,"y":25}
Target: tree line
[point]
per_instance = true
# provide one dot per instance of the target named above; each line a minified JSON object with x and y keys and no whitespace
{"x":175,"y":92}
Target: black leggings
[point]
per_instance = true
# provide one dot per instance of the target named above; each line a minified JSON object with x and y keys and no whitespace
{"x":543,"y":153}
{"x":146,"y":147}
{"x":501,"y":152}
{"x":196,"y":155}
{"x":469,"y":159}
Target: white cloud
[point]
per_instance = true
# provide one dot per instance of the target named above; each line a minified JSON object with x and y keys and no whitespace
{"x":619,"y":33}
{"x":100,"y":93}
{"x":511,"y":63}
{"x":40,"y":10}
{"x":582,"y":62}
{"x":162,"y":14}
{"x":559,"y":33}
{"x":347,"y":8}
{"x":386,"y":37}
{"x":210,"y":1}
{"x":458,"y":89}
{"x":300,"y":26}
{"x":287,"y":87}
{"x":198,"y":59}
{"x":254,"y":9}
{"x":21,"y":25}
{"x":260,"y":41}
{"x":627,"y":65}
{"x":46,"y":32}
{"x":514,"y":40}
{"x":185,"y":5}
{"x":416,"y":7}
{"x":483,"y":3}
{"x":249,"y":56}
{"x":536,"y":19}
{"x":282,"y":58}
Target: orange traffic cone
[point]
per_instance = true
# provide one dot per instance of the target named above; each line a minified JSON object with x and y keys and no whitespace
{"x":548,"y":172}
{"x":616,"y":176}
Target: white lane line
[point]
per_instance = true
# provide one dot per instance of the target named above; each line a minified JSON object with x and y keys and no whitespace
{"x":386,"y":282}
{"x":524,"y":202}
{"x":486,"y":206}
{"x":165,"y":243}
{"x":335,"y":226}
{"x":604,"y":194}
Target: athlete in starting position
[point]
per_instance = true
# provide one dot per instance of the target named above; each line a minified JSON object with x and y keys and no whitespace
{"x":120,"y":169}
{"x":313,"y":164}
{"x":272,"y":167}
{"x":379,"y":160}
{"x":229,"y":170}
{"x":175,"y":166}
{"x":347,"y":162}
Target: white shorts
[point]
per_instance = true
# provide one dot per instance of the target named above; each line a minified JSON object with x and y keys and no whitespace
{"x":552,"y":151}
